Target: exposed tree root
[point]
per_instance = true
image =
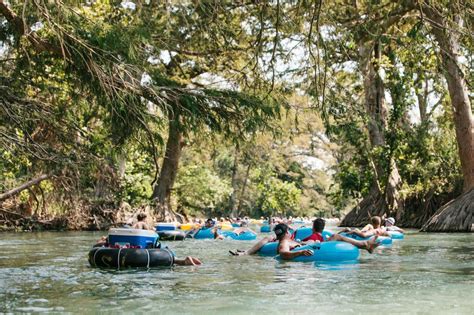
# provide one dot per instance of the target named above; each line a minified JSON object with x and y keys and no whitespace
{"x":455,"y":216}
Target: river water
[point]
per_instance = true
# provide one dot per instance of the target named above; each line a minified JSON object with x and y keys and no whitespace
{"x":423,"y":274}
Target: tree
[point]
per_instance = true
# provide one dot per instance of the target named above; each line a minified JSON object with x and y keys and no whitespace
{"x":447,"y":28}
{"x":383,"y":196}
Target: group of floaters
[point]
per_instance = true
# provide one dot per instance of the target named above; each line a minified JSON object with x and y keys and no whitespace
{"x":138,"y":245}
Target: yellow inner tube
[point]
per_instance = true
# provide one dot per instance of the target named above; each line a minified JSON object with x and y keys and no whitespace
{"x":188,"y":226}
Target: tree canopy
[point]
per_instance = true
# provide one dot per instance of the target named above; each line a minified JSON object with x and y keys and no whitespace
{"x":219,"y":107}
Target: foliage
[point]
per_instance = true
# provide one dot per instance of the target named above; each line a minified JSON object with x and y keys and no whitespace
{"x":88,"y":94}
{"x":201,"y":189}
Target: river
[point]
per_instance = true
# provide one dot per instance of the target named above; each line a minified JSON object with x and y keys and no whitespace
{"x":423,"y":274}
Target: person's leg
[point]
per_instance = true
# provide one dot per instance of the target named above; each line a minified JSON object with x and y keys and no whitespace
{"x":188,"y":261}
{"x":369,"y":245}
{"x":254,"y":249}
{"x":362,"y":234}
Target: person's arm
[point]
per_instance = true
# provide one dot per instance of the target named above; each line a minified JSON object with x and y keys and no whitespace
{"x":397,"y":229}
{"x":286,"y":254}
{"x":367,"y":228}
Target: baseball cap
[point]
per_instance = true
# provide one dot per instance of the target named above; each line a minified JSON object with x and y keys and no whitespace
{"x":280,"y":229}
{"x":390,"y":220}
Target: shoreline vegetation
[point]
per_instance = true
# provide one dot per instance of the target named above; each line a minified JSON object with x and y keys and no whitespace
{"x":190,"y":109}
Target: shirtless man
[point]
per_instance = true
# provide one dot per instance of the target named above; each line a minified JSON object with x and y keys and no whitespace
{"x":371,"y":229}
{"x":286,"y":244}
{"x":243,"y":228}
{"x":141,"y":224}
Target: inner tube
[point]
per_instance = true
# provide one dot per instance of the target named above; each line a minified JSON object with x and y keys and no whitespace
{"x":172,"y":235}
{"x":226,"y":227}
{"x":382,"y":240}
{"x":245,"y":236}
{"x":235,"y":225}
{"x":205,"y":233}
{"x":269,"y":249}
{"x":265,"y":229}
{"x":326,"y":251}
{"x":333,"y":251}
{"x":396,"y":235}
{"x":304,"y":232}
{"x":124,"y":258}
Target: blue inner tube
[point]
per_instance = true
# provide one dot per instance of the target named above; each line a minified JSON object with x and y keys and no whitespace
{"x":304,"y":232}
{"x":269,"y":249}
{"x":382,"y":240}
{"x":205,"y":233}
{"x":235,"y":225}
{"x":245,"y":236}
{"x":124,"y":258}
{"x":396,"y":235}
{"x":329,"y":252}
{"x":265,"y":229}
{"x":326,"y":251}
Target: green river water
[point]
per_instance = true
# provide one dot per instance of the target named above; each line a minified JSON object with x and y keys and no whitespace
{"x":423,"y":274}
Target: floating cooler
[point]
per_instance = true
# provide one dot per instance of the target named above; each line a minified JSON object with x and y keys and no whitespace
{"x":166,"y":226}
{"x":134,"y":237}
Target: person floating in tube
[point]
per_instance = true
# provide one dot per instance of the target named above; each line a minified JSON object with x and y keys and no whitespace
{"x":373,"y":228}
{"x":286,"y":243}
{"x":244,"y":228}
{"x":187,"y":261}
{"x":209,"y":224}
{"x":390,"y":226}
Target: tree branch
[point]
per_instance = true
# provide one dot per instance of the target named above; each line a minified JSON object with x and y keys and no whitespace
{"x":24,"y":186}
{"x":20,"y":27}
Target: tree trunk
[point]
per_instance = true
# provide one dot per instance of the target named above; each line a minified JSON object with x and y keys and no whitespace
{"x":27,"y":185}
{"x":463,"y":121}
{"x":235,"y":186}
{"x":169,"y":169}
{"x":421,"y":91}
{"x":244,"y":186}
{"x":456,"y":215}
{"x":377,"y":202}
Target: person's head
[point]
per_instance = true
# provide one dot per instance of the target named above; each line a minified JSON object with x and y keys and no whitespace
{"x":281,"y":230}
{"x":376,"y":221}
{"x":209,"y":223}
{"x":141,"y":217}
{"x":244,"y":224}
{"x":318,"y":225}
{"x":389,"y":221}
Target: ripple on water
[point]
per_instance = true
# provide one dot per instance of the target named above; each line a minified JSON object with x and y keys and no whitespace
{"x":425,"y":273}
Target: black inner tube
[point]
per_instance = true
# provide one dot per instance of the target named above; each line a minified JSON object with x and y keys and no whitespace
{"x":172,"y":235}
{"x":123,"y":258}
